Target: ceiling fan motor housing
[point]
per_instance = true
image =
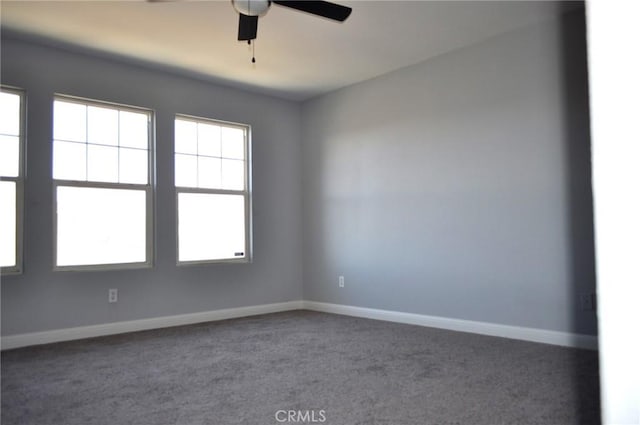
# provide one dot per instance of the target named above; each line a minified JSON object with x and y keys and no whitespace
{"x":251,"y":7}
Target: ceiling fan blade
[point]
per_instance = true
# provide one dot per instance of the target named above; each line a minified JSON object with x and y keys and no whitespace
{"x":321,"y":8}
{"x":247,"y":27}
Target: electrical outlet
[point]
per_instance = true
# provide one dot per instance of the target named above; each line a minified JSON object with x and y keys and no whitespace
{"x":341,"y":281}
{"x":113,"y":295}
{"x":588,"y":301}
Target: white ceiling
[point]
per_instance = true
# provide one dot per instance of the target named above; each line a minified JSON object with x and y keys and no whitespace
{"x":298,"y":55}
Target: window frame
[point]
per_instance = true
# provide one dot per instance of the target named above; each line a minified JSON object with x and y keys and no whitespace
{"x":19,"y":182}
{"x":246,"y":193}
{"x":149,"y":187}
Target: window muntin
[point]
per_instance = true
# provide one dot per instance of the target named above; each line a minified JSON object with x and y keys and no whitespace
{"x":12,"y":178}
{"x":210,"y":155}
{"x":102,"y":175}
{"x":100,"y":143}
{"x":212,"y":196}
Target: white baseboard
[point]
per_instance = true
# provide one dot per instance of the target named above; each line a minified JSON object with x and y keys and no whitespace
{"x":57,"y":335}
{"x":515,"y":332}
{"x":565,"y":339}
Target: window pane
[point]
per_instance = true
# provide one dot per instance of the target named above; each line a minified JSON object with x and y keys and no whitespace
{"x":232,"y":174}
{"x":9,"y":156}
{"x":103,"y":126}
{"x":134,"y":132}
{"x":7,"y":224}
{"x":186,"y":171}
{"x":69,"y":121}
{"x":9,"y":114}
{"x":186,"y":137}
{"x":133,"y":166}
{"x":103,"y":164}
{"x":232,"y":143}
{"x":210,"y":227}
{"x":208,"y":172}
{"x":69,"y":161}
{"x":208,"y":139}
{"x":100,"y":226}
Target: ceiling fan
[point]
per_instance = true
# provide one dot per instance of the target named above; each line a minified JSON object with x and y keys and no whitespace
{"x":250,"y":10}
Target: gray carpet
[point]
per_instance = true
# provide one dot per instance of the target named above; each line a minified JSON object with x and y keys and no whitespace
{"x":344,"y":370}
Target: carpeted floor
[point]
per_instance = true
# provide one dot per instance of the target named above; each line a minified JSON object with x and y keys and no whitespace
{"x":325,"y":368}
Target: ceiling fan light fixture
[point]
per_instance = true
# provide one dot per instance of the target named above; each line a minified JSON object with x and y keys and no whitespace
{"x":251,"y":7}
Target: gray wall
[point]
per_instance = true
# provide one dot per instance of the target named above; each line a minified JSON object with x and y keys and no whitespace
{"x":41,"y":299}
{"x":458,"y":187}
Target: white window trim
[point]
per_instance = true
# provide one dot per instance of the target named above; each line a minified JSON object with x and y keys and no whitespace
{"x":148,"y":188}
{"x":19,"y":181}
{"x":247,"y":194}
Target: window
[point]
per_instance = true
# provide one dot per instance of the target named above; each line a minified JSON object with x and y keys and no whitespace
{"x":102,"y":185}
{"x":11,"y":179}
{"x":212,"y":191}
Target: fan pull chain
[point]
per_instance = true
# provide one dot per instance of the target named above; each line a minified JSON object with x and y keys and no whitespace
{"x":253,"y":52}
